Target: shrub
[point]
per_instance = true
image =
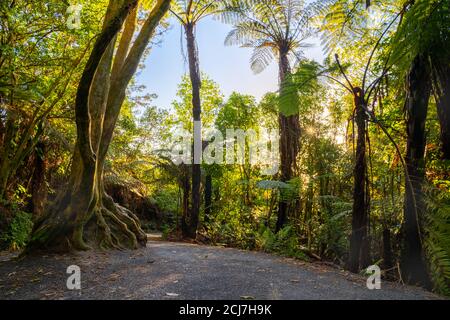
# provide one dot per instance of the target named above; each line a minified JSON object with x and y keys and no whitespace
{"x":17,"y":235}
{"x":285,"y":242}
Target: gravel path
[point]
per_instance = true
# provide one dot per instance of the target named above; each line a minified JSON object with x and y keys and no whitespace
{"x":166,"y":270}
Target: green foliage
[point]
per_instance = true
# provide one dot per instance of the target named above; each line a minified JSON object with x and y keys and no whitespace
{"x":240,"y":111}
{"x":438,"y":241}
{"x":285,"y":242}
{"x":289,"y":99}
{"x":272,"y":185}
{"x":233,"y":227}
{"x":211,"y":98}
{"x":167,"y":230}
{"x":19,"y":230}
{"x":193,"y":11}
{"x":418,"y":34}
{"x":166,"y":199}
{"x":331,"y":231}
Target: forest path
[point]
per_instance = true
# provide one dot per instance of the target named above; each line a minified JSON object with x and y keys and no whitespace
{"x":167,"y":270}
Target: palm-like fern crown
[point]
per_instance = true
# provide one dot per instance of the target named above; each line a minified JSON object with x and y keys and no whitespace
{"x":271,"y":27}
{"x":424,"y":30}
{"x":191,"y":11}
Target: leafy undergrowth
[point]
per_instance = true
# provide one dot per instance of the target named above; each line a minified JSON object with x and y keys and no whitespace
{"x":16,"y":227}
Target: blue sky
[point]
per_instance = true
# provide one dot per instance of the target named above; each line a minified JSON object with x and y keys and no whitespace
{"x":228,"y":66}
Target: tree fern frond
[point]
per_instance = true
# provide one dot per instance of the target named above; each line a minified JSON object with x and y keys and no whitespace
{"x":437,"y":242}
{"x":261,"y":57}
{"x":424,"y":29}
{"x":245,"y":32}
{"x":284,"y":23}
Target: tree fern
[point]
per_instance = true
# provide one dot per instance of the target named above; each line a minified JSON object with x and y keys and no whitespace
{"x":268,"y":26}
{"x":424,"y":29}
{"x":437,"y":243}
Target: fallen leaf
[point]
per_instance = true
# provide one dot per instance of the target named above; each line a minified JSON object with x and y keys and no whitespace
{"x":169,"y":294}
{"x":247,"y":298}
{"x":114,"y":276}
{"x":50,"y":294}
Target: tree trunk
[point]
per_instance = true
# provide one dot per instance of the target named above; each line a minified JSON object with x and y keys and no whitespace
{"x":84,"y":214}
{"x":186,"y":187}
{"x":441,"y":77}
{"x":289,"y":144}
{"x":194,"y":73}
{"x":38,"y":187}
{"x":388,"y":261}
{"x":208,"y":196}
{"x":418,"y":92}
{"x":358,"y":239}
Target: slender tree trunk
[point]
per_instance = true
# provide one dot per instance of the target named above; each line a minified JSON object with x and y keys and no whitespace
{"x":194,"y":73}
{"x":358,"y":239}
{"x":38,"y":188}
{"x":208,"y":189}
{"x":388,"y":261}
{"x":418,"y":93}
{"x":289,"y":143}
{"x":186,"y":186}
{"x":441,"y":77}
{"x":208,"y":196}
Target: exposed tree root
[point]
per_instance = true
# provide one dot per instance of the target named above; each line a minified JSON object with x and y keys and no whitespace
{"x":107,"y":226}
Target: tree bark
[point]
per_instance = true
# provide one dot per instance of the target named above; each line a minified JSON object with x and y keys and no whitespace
{"x":388,"y":261}
{"x":358,"y":239}
{"x":186,"y":187}
{"x":208,"y":196}
{"x":412,"y":263}
{"x":38,"y":187}
{"x":194,"y":72}
{"x":441,"y":77}
{"x":289,"y":143}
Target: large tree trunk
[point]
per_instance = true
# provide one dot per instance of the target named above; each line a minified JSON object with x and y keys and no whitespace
{"x":194,"y":72}
{"x":418,"y":93}
{"x":441,"y":77}
{"x":289,"y":143}
{"x":84,"y":215}
{"x":358,"y":239}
